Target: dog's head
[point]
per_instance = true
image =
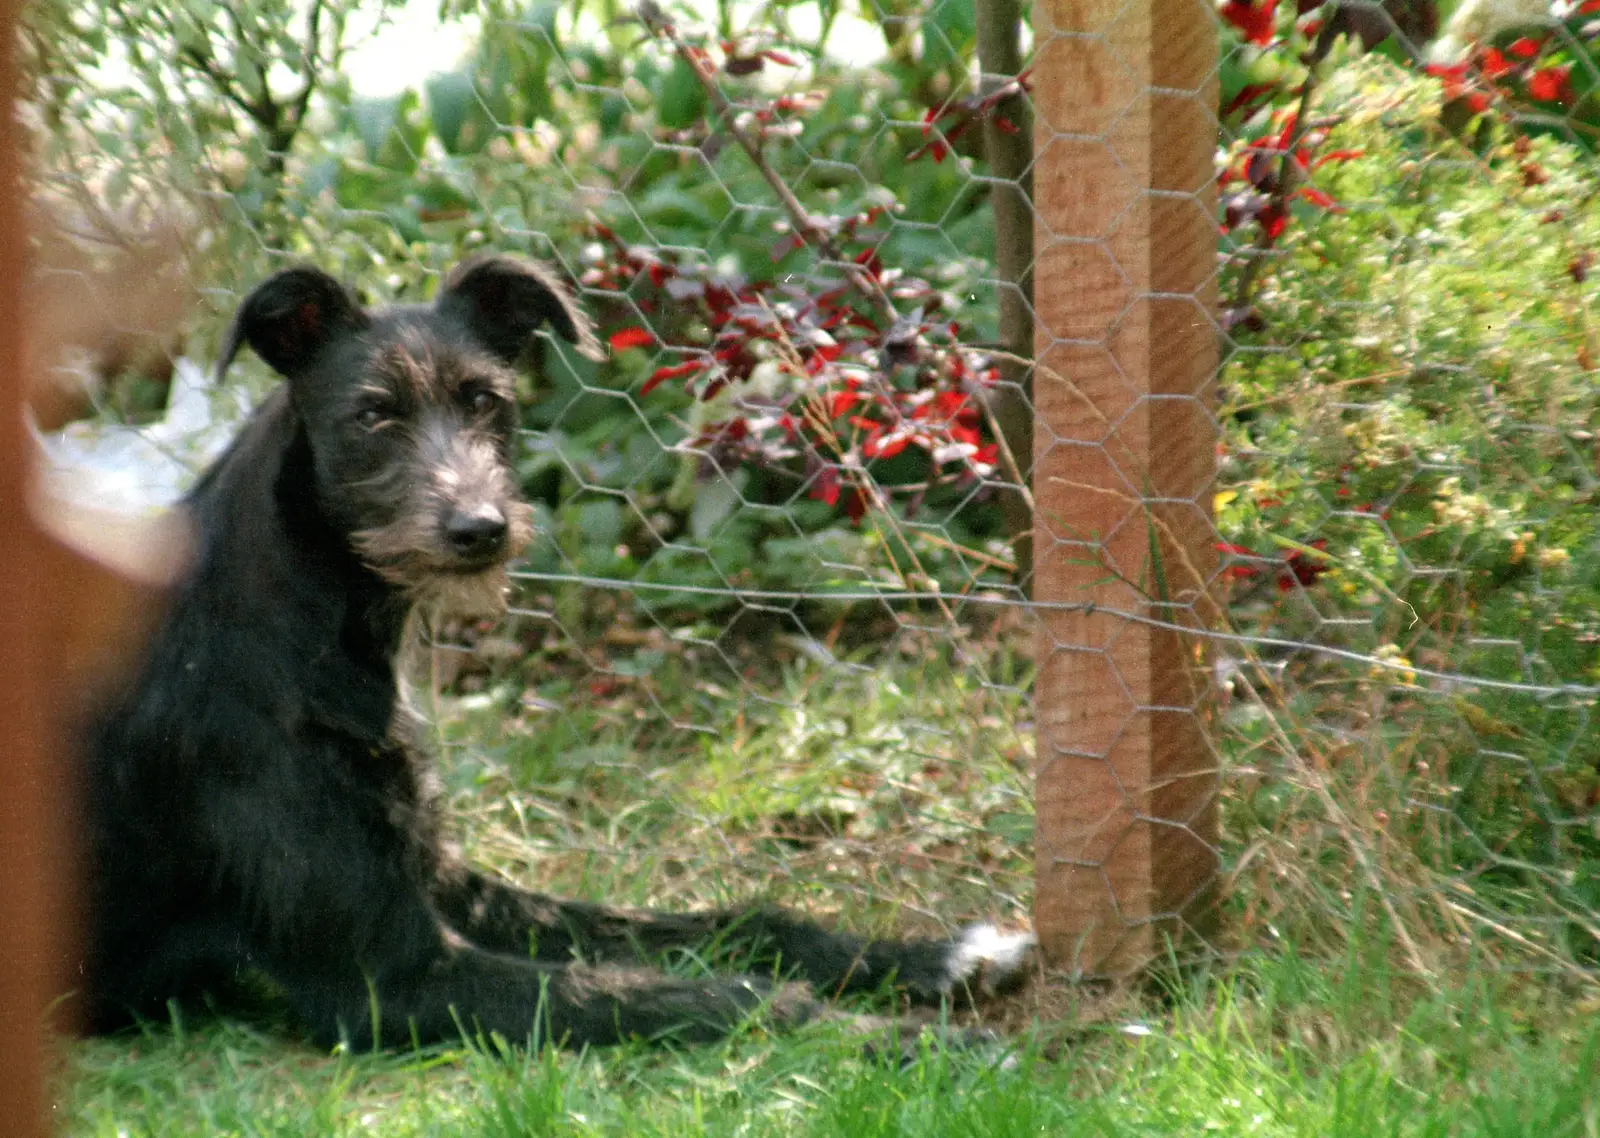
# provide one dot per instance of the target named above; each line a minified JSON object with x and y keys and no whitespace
{"x":410,"y":413}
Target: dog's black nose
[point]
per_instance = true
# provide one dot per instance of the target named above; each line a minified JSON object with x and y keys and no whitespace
{"x":479,"y":532}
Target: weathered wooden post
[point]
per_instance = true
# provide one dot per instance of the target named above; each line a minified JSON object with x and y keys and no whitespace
{"x":1125,"y":229}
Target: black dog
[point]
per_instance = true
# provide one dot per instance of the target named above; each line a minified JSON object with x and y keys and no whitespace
{"x":260,"y":799}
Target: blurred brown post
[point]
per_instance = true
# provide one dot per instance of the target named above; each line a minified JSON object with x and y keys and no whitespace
{"x":1124,"y":452}
{"x":79,"y":591}
{"x":32,"y":882}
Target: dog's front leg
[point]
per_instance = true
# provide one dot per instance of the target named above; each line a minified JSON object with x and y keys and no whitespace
{"x":977,"y":961}
{"x":467,"y":991}
{"x":505,"y":918}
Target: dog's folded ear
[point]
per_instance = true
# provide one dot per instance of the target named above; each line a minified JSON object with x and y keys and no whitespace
{"x":289,"y":317}
{"x":504,"y":300}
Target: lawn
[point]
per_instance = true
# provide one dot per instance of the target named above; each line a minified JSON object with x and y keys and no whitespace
{"x":1273,"y":1047}
{"x":778,"y":793}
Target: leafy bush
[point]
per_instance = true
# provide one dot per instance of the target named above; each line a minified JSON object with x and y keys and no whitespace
{"x":1409,"y":475}
{"x":599,"y":142}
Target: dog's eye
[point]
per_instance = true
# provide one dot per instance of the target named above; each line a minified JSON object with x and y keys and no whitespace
{"x":482,"y":402}
{"x":370,"y":417}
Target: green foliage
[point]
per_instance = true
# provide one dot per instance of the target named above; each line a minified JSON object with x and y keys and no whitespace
{"x":1276,"y":1049}
{"x":559,"y":121}
{"x":1420,"y":404}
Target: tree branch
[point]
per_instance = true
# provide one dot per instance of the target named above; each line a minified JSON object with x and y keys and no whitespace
{"x":807,"y":228}
{"x":1009,"y":155}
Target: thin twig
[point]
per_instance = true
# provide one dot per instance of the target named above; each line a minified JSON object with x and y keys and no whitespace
{"x":1288,"y":169}
{"x":807,"y":227}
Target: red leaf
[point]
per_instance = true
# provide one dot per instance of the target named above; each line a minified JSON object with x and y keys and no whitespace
{"x":886,"y":447}
{"x":631,"y":338}
{"x":1552,"y":84}
{"x":786,"y":246}
{"x":1495,"y":64}
{"x":826,"y":488}
{"x":1337,"y":156}
{"x":1273,"y":222}
{"x":1261,"y":171}
{"x":1250,"y":92}
{"x":1305,"y":570}
{"x":855,"y":505}
{"x":1256,"y":21}
{"x":662,"y":374}
{"x":1477,"y":101}
{"x":1452,"y":76}
{"x":1238,"y":572}
{"x":1319,"y":198}
{"x":1524,"y":48}
{"x":1589,"y":7}
{"x":840,"y":402}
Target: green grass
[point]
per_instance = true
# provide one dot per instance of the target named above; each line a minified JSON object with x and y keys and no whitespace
{"x":1275,"y":1046}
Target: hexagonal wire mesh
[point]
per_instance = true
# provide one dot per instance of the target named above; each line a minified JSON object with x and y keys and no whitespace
{"x":771,"y":637}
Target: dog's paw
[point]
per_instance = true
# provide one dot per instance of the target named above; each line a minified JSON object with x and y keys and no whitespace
{"x":983,"y":961}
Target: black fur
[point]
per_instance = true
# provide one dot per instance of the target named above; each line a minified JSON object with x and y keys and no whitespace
{"x":260,"y":799}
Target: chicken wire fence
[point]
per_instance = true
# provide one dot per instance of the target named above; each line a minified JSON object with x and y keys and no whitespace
{"x":1212,"y":386}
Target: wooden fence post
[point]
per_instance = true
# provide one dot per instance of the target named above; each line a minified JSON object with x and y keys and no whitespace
{"x":1124,"y":457}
